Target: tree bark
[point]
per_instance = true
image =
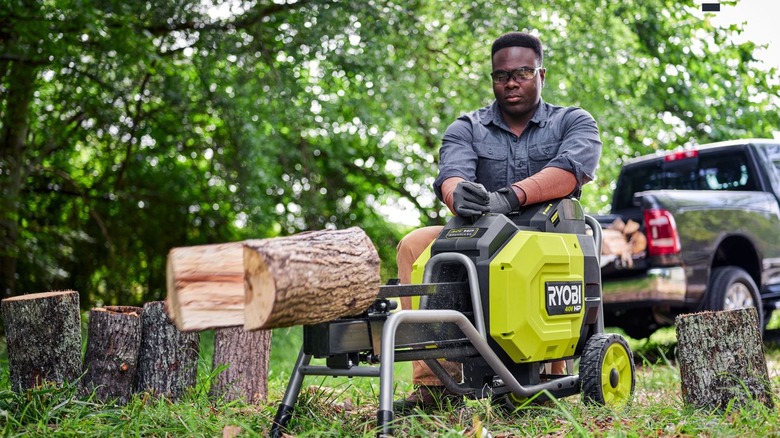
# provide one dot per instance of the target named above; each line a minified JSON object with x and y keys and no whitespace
{"x":245,"y":355}
{"x":721,"y":359}
{"x":111,"y":359}
{"x":309,"y":278}
{"x":206,"y":286}
{"x":43,"y":334}
{"x":168,"y":358}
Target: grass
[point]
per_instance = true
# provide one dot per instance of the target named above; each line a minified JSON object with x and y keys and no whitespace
{"x":338,"y":407}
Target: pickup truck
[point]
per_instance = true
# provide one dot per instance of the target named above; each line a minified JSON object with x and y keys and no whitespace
{"x":710,"y":218}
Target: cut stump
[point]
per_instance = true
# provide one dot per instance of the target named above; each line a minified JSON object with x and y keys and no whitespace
{"x":309,"y":278}
{"x":43,"y":334}
{"x":168,"y":358}
{"x":721,"y":359}
{"x":245,"y":354}
{"x":111,"y":359}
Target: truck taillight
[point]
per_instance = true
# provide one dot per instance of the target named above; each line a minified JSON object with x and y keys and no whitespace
{"x":661,"y":231}
{"x":681,"y":155}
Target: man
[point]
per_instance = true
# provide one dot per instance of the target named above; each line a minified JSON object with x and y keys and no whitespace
{"x":517,"y":151}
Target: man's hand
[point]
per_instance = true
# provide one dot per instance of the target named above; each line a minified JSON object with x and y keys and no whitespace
{"x":470,"y":199}
{"x":503,"y":201}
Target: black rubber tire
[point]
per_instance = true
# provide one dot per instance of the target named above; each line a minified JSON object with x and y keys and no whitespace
{"x":607,"y":371}
{"x":732,"y":288}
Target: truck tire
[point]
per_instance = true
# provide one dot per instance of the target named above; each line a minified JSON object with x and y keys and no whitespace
{"x":607,"y":371}
{"x":732,"y":288}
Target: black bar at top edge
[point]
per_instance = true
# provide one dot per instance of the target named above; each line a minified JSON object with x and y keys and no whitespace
{"x":710,"y":7}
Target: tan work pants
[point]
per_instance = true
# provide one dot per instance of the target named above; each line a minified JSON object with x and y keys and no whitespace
{"x":409,"y":248}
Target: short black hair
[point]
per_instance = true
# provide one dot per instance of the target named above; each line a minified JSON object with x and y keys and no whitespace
{"x":519,"y":39}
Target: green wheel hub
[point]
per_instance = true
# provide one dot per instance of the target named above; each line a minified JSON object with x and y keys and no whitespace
{"x":616,"y":375}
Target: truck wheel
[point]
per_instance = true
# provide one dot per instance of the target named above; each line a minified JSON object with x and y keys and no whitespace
{"x":607,"y":371}
{"x":732,"y":288}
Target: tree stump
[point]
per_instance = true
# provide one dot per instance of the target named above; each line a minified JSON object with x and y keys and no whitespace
{"x":721,"y":359}
{"x":168,"y":358}
{"x":246,"y":355}
{"x":43,"y":334}
{"x":205,"y":286}
{"x":111,"y":360}
{"x":309,"y":278}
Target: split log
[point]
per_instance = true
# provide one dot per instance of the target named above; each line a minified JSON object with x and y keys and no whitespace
{"x":206,"y":286}
{"x":168,"y":358}
{"x":111,"y":360}
{"x":246,"y":355}
{"x":721,"y":359}
{"x":43,"y":334}
{"x":309,"y":278}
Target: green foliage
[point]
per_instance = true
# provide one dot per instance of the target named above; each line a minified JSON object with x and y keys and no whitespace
{"x":129,"y":128}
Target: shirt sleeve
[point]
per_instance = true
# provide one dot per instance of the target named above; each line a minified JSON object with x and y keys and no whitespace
{"x":457,"y":157}
{"x":580,"y":148}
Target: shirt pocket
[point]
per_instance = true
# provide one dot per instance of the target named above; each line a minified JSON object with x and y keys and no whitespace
{"x":541,"y":154}
{"x":491,"y":165}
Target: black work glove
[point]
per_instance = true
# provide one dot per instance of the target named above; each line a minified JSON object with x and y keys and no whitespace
{"x":504,"y":201}
{"x":470,"y":199}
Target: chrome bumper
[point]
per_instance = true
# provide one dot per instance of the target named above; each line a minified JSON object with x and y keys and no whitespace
{"x":659,"y":284}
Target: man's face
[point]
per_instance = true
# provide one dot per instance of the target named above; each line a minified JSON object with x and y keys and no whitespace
{"x":517,"y":99}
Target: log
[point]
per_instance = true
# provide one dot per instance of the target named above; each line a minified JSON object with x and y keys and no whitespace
{"x":721,"y":359}
{"x":245,"y":354}
{"x":309,"y":278}
{"x":111,"y":360}
{"x":43,"y":334}
{"x":168,"y":358}
{"x":205,"y":286}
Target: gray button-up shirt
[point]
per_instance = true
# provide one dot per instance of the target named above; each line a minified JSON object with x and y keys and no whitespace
{"x":479,"y":146}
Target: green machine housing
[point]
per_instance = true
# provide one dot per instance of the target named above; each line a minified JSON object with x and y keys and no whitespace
{"x":539,"y":280}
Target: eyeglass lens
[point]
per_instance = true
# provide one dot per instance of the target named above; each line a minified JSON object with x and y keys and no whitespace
{"x":517,"y":75}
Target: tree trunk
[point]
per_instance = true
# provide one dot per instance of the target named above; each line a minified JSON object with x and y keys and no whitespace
{"x":309,"y":278}
{"x":721,"y":359}
{"x":168,"y":358}
{"x":246,"y":356}
{"x":206,"y":286}
{"x":43,"y":334}
{"x":112,"y":352}
{"x":13,"y":145}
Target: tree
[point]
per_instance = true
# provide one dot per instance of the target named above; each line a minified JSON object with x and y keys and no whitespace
{"x":129,"y":128}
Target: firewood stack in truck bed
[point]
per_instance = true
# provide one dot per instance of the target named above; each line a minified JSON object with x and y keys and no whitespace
{"x":622,"y":241}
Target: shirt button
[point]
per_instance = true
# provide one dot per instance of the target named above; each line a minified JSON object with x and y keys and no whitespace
{"x":514,"y":139}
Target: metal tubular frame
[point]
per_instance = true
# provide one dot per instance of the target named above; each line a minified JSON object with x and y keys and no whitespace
{"x":475,"y":333}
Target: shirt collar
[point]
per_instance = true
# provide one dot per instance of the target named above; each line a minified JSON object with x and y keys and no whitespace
{"x":494,"y":114}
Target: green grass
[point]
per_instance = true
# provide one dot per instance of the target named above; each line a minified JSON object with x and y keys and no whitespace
{"x":338,"y":407}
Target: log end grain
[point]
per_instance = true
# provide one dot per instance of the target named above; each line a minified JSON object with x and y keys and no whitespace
{"x":205,"y":286}
{"x":40,"y":295}
{"x":259,"y":289}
